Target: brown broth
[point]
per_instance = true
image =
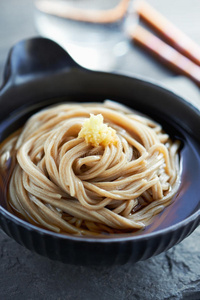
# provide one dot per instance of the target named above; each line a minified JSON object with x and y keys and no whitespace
{"x":185,"y":203}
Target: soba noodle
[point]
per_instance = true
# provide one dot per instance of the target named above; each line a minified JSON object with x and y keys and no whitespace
{"x":64,"y":184}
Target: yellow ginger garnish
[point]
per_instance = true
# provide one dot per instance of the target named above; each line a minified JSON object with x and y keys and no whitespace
{"x":96,"y":133}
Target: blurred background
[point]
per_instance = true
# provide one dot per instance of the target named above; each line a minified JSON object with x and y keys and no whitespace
{"x":100,"y":46}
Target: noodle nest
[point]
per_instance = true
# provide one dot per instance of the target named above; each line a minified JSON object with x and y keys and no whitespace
{"x":64,"y":184}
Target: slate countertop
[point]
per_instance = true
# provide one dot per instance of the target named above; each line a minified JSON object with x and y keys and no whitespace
{"x":174,"y":274}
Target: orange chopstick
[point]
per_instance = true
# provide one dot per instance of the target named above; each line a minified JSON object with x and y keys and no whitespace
{"x":166,"y":53}
{"x":169,"y":32}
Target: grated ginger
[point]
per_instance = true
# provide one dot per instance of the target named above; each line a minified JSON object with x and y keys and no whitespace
{"x":96,"y":133}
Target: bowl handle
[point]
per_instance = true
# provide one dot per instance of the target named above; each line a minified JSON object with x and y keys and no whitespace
{"x":35,"y":57}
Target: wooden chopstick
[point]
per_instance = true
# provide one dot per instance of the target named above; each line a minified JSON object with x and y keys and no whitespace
{"x":63,"y":10}
{"x":186,"y":64}
{"x":166,"y":53}
{"x":169,"y":32}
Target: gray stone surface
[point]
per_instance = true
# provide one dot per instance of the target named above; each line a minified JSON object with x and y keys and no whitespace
{"x":174,"y":274}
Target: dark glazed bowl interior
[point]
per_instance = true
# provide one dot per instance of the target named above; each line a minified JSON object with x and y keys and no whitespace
{"x":39,"y":73}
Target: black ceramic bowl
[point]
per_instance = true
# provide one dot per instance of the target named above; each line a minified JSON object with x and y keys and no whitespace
{"x":38,"y":73}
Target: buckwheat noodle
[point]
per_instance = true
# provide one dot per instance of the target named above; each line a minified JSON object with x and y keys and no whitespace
{"x":61,"y":183}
